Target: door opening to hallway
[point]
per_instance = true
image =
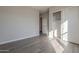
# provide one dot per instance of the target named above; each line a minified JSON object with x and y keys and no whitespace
{"x":57,"y":25}
{"x":40,"y":25}
{"x":44,"y":23}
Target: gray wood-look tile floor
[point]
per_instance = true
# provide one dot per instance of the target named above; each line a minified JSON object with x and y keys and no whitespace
{"x":39,"y":44}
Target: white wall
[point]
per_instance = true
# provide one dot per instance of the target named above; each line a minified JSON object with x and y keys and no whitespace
{"x":18,"y":23}
{"x":45,"y":23}
{"x":72,"y":15}
{"x":69,"y":22}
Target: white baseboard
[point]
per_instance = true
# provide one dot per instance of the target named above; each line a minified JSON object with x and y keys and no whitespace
{"x":5,"y":42}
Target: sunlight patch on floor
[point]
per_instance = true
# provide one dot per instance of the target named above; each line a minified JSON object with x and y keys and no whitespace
{"x":57,"y":47}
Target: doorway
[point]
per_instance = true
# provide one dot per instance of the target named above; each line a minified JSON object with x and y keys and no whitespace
{"x":57,"y":25}
{"x":40,"y":25}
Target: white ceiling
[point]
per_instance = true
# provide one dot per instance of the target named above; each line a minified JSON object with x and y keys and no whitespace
{"x":42,"y":9}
